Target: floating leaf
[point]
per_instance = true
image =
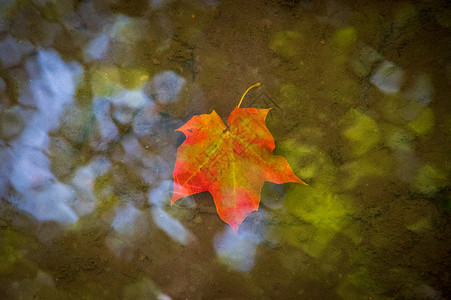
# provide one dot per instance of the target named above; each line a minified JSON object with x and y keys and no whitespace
{"x":231,"y":162}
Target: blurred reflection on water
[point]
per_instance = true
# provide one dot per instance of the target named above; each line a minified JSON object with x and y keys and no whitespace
{"x":92,"y":91}
{"x":158,"y":197}
{"x":52,"y":84}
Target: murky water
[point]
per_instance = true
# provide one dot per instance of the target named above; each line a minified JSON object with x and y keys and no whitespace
{"x":92,"y":91}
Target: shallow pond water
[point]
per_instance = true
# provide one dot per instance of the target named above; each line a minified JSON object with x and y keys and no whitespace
{"x":91,"y":93}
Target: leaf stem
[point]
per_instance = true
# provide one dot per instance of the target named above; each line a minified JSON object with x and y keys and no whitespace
{"x":257,"y":84}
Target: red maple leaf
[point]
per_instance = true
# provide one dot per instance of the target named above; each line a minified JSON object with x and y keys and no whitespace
{"x":232,"y":163}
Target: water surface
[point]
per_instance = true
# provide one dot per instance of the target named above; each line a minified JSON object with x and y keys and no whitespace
{"x":92,"y":91}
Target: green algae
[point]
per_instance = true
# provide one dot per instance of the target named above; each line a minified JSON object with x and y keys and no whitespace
{"x":105,"y":81}
{"x":399,"y":139}
{"x":357,"y":285}
{"x":11,"y":244}
{"x":345,"y":36}
{"x":430,"y":179}
{"x":308,"y":162}
{"x":423,"y":124}
{"x":420,"y":225}
{"x":325,"y":212}
{"x":133,"y":79}
{"x":363,"y":132}
{"x":287,"y":43}
{"x":377,"y":163}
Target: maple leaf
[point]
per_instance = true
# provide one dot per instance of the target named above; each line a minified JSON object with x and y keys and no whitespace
{"x":232,"y":163}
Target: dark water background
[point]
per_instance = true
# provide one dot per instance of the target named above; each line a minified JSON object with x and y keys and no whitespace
{"x":92,"y":91}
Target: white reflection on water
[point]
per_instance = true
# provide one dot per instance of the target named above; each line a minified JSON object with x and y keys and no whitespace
{"x":11,"y":51}
{"x":128,"y":30}
{"x":388,"y":77}
{"x":97,"y":47}
{"x":172,"y":227}
{"x":166,"y":86}
{"x":238,"y":250}
{"x":107,"y":128}
{"x":151,"y":167}
{"x":145,"y":120}
{"x":123,"y":106}
{"x":83,"y":183}
{"x":421,"y":89}
{"x":158,"y":3}
{"x":130,"y":227}
{"x":126,"y":103}
{"x":30,"y":169}
{"x":124,"y":220}
{"x":235,"y":250}
{"x":49,"y":203}
{"x":134,"y":99}
{"x":159,"y":195}
{"x":51,"y":87}
{"x":5,"y":156}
